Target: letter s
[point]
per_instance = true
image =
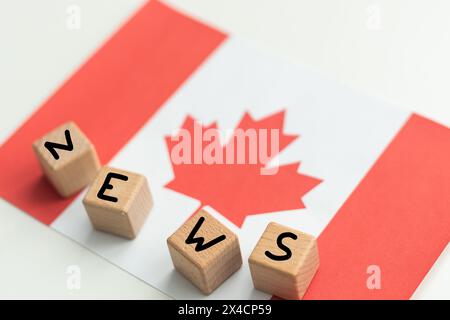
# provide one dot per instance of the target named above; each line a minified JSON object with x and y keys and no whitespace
{"x":283,"y":247}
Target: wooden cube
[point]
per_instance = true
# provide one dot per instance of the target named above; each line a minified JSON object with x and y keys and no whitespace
{"x":284,"y":261}
{"x":118,"y":202}
{"x":68,"y":158}
{"x":205,"y":251}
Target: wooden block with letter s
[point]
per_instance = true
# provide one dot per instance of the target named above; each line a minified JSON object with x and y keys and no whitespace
{"x":68,"y":158}
{"x":205,"y":251}
{"x":284,"y":261}
{"x":118,"y":202}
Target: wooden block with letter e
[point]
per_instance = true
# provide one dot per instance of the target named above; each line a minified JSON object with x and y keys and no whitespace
{"x":118,"y":202}
{"x":68,"y":158}
{"x":205,"y":251}
{"x":284,"y":261}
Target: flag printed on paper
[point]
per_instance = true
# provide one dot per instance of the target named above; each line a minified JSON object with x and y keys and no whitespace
{"x":370,"y":181}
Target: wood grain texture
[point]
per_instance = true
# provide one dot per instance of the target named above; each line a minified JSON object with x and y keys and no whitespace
{"x":74,"y":169}
{"x":290,"y":278}
{"x":209,"y":268}
{"x":126,"y":216}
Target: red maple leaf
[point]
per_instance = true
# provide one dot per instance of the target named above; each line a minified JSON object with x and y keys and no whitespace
{"x":239,"y":190}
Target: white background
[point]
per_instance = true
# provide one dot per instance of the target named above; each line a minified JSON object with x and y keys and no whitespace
{"x":396,"y":50}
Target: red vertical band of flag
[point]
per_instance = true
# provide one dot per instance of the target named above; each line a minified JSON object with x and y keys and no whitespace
{"x":397,"y":218}
{"x":110,"y":98}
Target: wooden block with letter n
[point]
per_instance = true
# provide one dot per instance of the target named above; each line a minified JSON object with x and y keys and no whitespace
{"x":68,"y":158}
{"x":205,"y":251}
{"x":118,"y":202}
{"x":284,"y":261}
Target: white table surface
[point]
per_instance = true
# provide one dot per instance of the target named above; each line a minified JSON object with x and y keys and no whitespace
{"x":396,"y":50}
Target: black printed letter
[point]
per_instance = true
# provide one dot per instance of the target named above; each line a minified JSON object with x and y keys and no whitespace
{"x":106,"y":185}
{"x":199,"y":246}
{"x":280,"y":244}
{"x":51,"y":146}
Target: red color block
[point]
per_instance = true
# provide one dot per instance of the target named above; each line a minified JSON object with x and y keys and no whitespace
{"x":397,"y":218}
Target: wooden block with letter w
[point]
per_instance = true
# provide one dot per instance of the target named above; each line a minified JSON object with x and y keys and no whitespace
{"x":205,"y":251}
{"x":68,"y":158}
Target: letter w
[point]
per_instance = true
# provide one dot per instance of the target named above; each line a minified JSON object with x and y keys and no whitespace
{"x":199,"y":242}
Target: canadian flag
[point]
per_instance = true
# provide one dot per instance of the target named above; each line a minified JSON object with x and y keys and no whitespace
{"x":370,"y":181}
